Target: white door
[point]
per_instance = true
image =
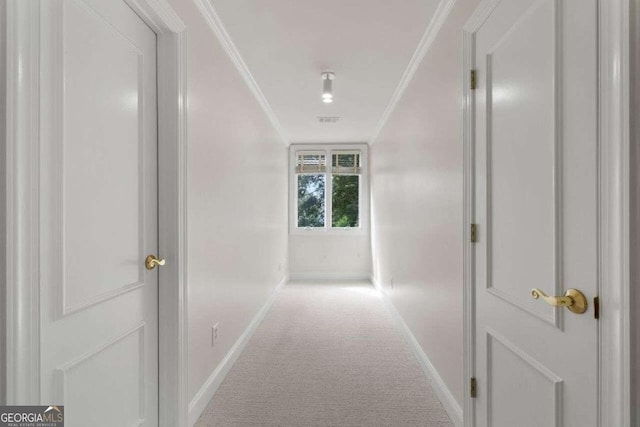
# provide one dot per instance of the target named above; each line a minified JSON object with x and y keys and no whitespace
{"x":99,"y":304}
{"x":536,"y":208}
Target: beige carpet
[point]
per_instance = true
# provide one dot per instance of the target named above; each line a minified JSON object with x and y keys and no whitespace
{"x":326,"y":355}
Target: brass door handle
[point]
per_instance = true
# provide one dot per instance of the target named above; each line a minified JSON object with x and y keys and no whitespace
{"x":151,"y":262}
{"x":573,"y":299}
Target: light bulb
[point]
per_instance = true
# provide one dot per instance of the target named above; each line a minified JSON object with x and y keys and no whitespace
{"x":327,"y":87}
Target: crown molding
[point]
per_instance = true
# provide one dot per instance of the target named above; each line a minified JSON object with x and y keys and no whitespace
{"x":440,"y":16}
{"x":159,"y":15}
{"x":210,"y":15}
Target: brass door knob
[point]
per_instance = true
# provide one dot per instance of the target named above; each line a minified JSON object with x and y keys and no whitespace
{"x":573,"y":299}
{"x":151,"y":262}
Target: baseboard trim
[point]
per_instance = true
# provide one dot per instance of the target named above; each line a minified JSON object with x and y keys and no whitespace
{"x":206,"y":392}
{"x":329,"y":276}
{"x":454,"y":410}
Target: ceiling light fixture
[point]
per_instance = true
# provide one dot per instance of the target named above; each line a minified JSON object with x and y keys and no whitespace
{"x":327,"y":87}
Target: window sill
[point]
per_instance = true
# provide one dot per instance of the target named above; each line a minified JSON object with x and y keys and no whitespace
{"x":359,"y":231}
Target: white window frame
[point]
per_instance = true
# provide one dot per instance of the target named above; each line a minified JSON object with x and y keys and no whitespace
{"x":363,"y":202}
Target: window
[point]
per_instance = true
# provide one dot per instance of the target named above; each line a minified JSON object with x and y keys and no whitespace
{"x":310,"y":173}
{"x":345,"y":195}
{"x":328,"y":188}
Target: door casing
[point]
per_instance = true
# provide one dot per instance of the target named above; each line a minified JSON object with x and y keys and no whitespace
{"x":614,"y":181}
{"x":22,"y":210}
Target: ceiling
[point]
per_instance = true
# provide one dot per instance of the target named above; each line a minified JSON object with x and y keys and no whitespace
{"x":287,"y":44}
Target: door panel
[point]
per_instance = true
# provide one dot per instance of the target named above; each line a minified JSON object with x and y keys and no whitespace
{"x":91,"y":368}
{"x":536,"y":205}
{"x":538,"y":403}
{"x":99,"y":344}
{"x":521,"y":173}
{"x":90,"y":152}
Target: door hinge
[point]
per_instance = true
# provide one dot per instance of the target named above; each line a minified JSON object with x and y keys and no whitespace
{"x":474,"y":233}
{"x":473,"y":388}
{"x":596,"y":307}
{"x":472,"y":80}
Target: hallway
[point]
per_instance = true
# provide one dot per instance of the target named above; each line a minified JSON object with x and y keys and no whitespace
{"x":326,"y":354}
{"x":338,"y":213}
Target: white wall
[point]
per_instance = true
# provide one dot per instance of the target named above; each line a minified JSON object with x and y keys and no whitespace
{"x":237,"y":200}
{"x":329,"y":257}
{"x":344,"y":254}
{"x":417,"y":205}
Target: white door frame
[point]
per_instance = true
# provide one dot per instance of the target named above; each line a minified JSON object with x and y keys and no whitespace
{"x":22,"y":214}
{"x":614,"y":369}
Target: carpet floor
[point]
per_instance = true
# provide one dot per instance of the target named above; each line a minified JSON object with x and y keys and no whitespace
{"x":326,"y":355}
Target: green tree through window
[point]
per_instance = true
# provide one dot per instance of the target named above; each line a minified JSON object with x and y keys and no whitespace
{"x":311,"y":200}
{"x":344,"y":204}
